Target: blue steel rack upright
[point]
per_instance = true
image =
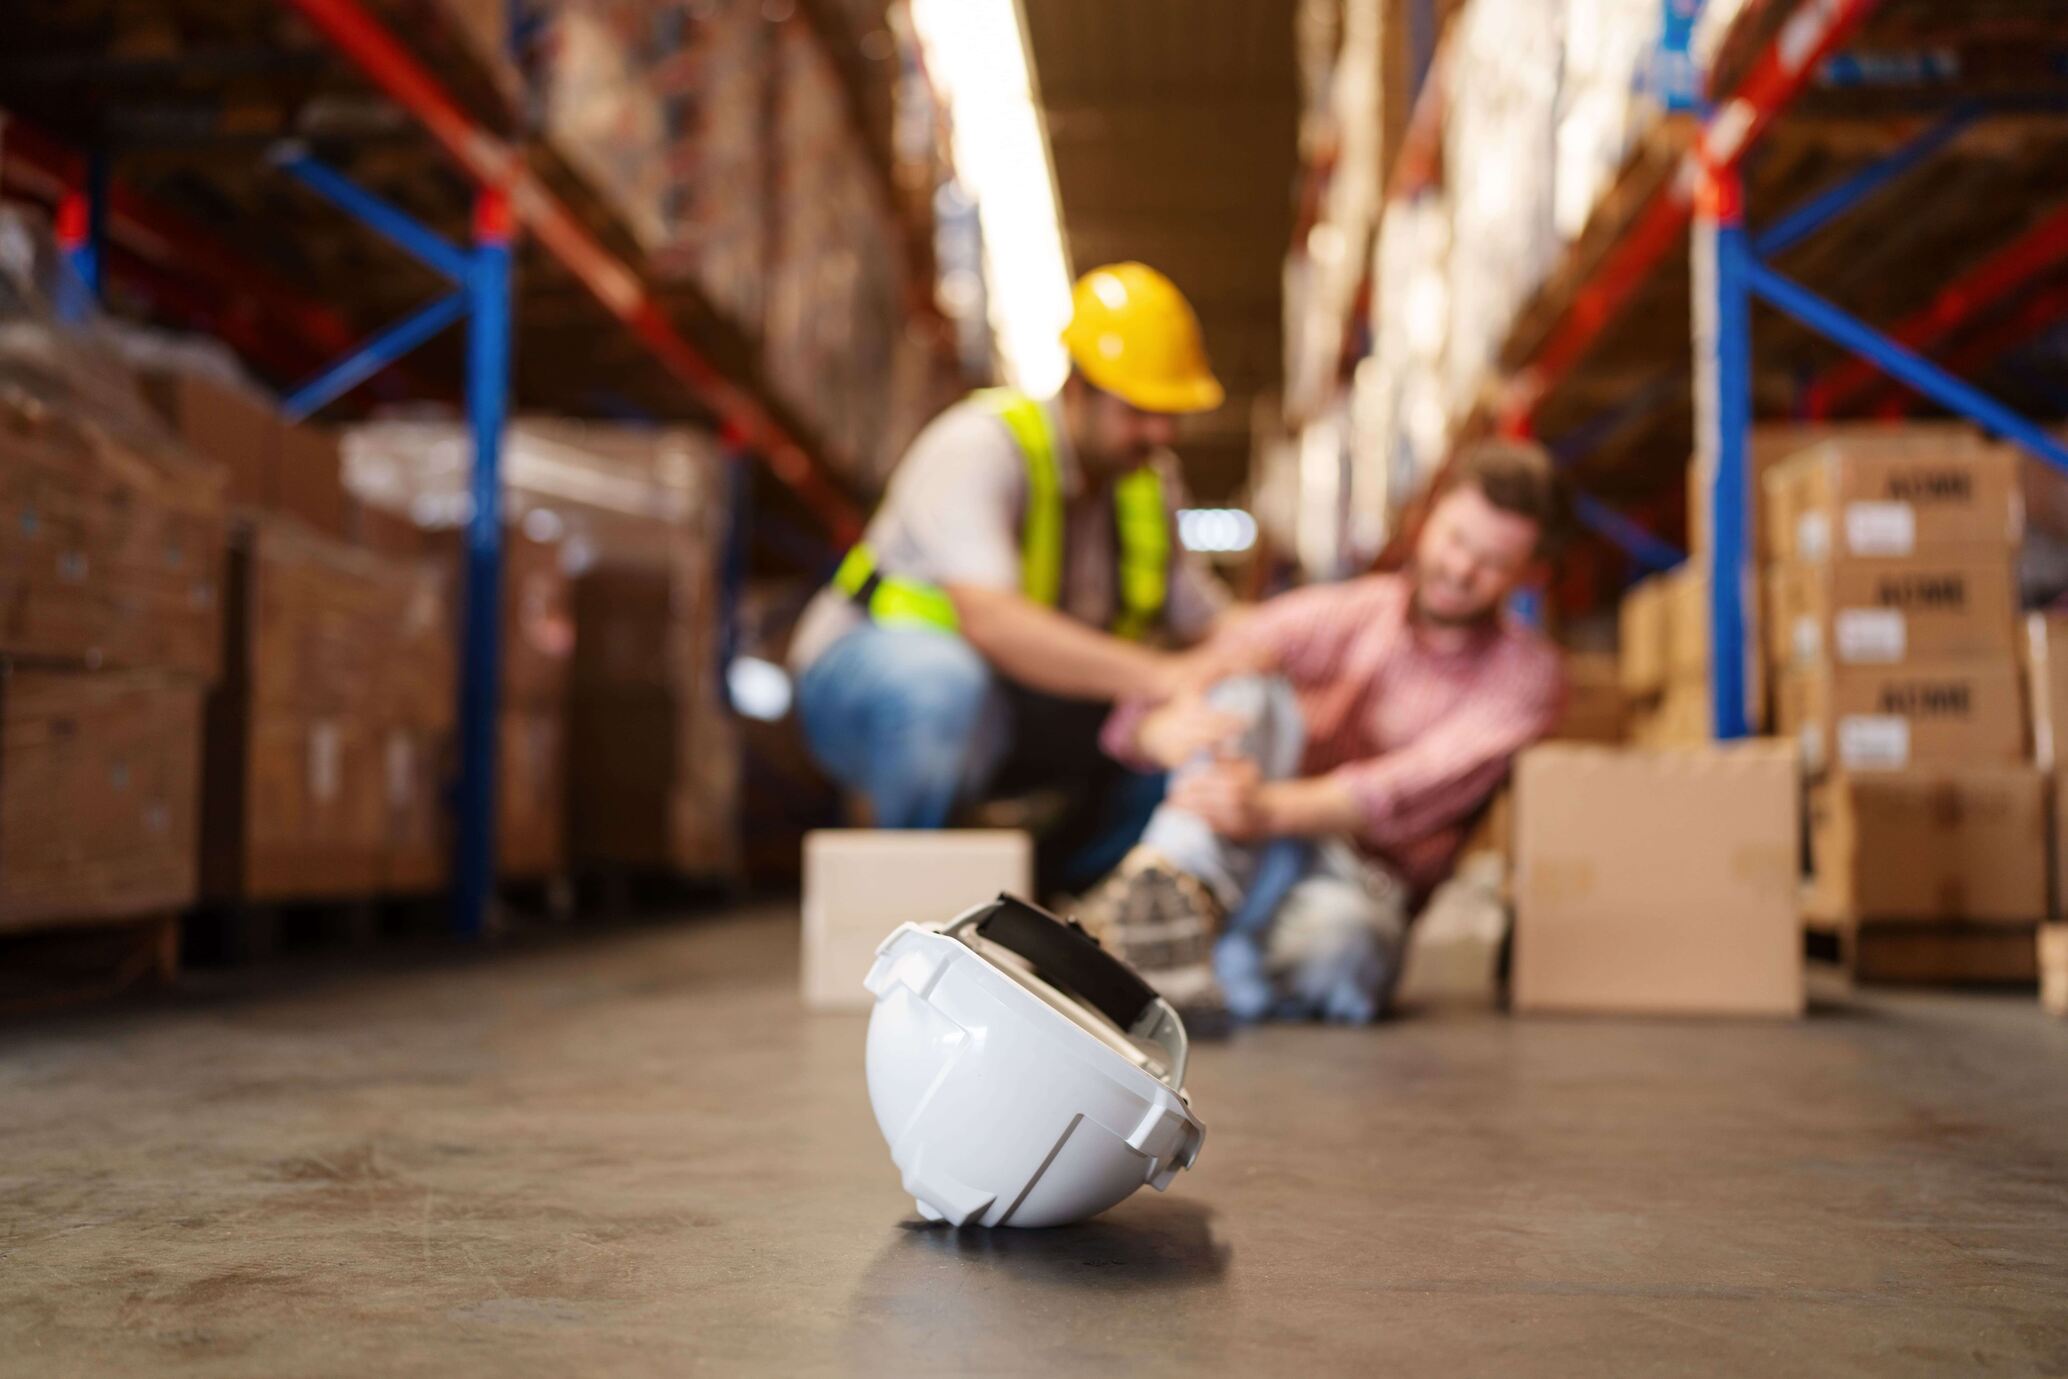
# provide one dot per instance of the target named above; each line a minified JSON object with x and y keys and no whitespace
{"x":481,"y":278}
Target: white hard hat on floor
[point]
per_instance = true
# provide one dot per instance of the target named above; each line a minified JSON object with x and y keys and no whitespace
{"x":1021,"y":1074}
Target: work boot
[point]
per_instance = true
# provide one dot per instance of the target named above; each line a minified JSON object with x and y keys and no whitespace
{"x":1162,"y":922}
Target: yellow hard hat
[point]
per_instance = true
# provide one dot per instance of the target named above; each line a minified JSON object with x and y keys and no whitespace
{"x":1133,"y":334}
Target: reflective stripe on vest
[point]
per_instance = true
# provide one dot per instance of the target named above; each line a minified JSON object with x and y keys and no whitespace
{"x":1141,"y":524}
{"x":1144,"y":525}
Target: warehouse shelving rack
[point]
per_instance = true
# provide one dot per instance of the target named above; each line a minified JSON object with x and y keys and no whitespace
{"x":441,"y":112}
{"x":1838,"y":73}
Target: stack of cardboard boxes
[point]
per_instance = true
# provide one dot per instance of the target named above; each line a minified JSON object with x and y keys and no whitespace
{"x":330,"y":737}
{"x":653,"y":752}
{"x":654,"y":757}
{"x":1667,"y":878}
{"x":617,"y":747}
{"x":111,"y":549}
{"x":1664,"y":648}
{"x":270,"y":464}
{"x":1891,"y":605}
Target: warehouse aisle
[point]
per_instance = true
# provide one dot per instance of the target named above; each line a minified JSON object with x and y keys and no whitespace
{"x":632,"y":1155}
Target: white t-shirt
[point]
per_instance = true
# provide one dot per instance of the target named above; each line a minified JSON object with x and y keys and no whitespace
{"x":953,"y":513}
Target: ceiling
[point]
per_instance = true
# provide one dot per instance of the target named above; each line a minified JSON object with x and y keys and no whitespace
{"x":1174,"y":129}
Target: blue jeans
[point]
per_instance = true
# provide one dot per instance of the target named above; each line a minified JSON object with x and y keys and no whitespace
{"x":1314,"y":930}
{"x":920,"y":724}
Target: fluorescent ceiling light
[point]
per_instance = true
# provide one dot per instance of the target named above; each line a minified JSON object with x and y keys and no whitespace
{"x":976,"y":53}
{"x":1217,"y":531}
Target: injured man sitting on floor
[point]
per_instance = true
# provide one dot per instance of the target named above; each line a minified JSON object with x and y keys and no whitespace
{"x":1315,"y":802}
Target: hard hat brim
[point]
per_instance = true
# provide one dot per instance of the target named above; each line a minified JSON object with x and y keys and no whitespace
{"x":1183,"y":397}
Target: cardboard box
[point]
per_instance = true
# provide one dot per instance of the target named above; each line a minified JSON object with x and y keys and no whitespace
{"x":1682,"y":717}
{"x":1680,"y":617}
{"x":377,"y":529}
{"x":328,"y":741}
{"x":310,"y":484}
{"x":1868,"y":718}
{"x":539,"y":618}
{"x":418,"y":764}
{"x":653,"y":752}
{"x":1596,"y":709}
{"x":1641,"y":638}
{"x":1897,"y":497}
{"x":1892,"y":612}
{"x":230,"y":426}
{"x":2046,"y":659}
{"x":1963,"y":843}
{"x":99,"y":792}
{"x":111,"y":554}
{"x":1774,"y":444}
{"x":861,"y":884}
{"x":2046,"y":663}
{"x":1657,"y":882}
{"x":2053,"y":968}
{"x":272,"y":465}
{"x":1664,"y":630}
{"x":293,"y":806}
{"x":531,"y":837}
{"x":626,"y":628}
{"x":1686,"y":592}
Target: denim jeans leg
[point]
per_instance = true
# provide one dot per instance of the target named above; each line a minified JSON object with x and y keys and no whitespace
{"x":1274,"y":737}
{"x":912,"y":718}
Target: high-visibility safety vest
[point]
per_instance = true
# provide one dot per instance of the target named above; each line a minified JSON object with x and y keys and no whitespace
{"x":1140,"y":518}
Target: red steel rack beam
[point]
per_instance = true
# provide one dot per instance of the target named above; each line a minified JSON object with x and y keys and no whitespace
{"x":1988,"y":284}
{"x":492,"y":162}
{"x":1816,"y":30}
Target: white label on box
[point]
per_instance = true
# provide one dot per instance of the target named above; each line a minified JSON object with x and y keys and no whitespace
{"x":401,"y":769}
{"x":1872,"y":636}
{"x":1880,"y":528}
{"x":1813,"y":536}
{"x":324,"y":766}
{"x":1809,"y":638}
{"x":1868,"y":740}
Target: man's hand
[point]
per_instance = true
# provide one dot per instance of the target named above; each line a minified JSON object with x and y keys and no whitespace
{"x":1239,"y":805}
{"x":1183,"y":728}
{"x":1227,"y":795}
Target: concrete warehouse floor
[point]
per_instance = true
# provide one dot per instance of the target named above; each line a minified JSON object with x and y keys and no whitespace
{"x":629,"y":1153}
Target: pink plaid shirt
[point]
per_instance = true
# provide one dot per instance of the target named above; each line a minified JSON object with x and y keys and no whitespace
{"x":1419,"y":735}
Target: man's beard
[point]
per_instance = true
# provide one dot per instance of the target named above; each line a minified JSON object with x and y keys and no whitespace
{"x":1482,"y":617}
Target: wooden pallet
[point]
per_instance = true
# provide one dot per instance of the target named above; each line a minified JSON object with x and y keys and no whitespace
{"x":57,"y":969}
{"x":246,"y":934}
{"x":1930,"y":954}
